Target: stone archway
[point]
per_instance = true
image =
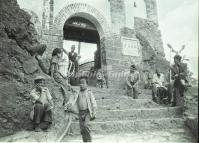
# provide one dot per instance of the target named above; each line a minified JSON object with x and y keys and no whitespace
{"x":85,"y":11}
{"x":93,"y":15}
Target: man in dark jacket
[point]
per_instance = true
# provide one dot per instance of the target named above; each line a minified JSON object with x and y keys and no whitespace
{"x":179,"y":77}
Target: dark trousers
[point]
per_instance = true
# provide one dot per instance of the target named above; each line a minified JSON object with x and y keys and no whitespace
{"x":178,"y":93}
{"x":158,"y":93}
{"x":132,"y":92}
{"x":84,"y":118}
{"x":42,"y":117}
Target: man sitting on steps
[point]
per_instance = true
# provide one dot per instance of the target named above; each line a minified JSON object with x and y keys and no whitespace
{"x":41,"y":114}
{"x":158,"y":89}
{"x":132,"y":82}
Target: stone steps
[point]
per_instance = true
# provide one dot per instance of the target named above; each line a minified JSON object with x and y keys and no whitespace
{"x":134,"y":114}
{"x":125,"y":103}
{"x":118,"y":113}
{"x":165,"y":136}
{"x":118,"y":126}
{"x":109,"y":96}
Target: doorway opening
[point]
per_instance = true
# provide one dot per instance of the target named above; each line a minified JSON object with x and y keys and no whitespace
{"x":83,"y":34}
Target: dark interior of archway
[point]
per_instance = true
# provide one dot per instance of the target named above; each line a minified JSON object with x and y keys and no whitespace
{"x":82,"y":30}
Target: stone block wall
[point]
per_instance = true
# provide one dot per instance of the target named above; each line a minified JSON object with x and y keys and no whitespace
{"x":150,"y":33}
{"x":118,"y":19}
{"x":151,"y":10}
{"x":191,"y":110}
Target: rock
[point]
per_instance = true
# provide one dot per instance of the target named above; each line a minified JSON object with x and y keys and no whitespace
{"x":30,"y":66}
{"x":18,"y":44}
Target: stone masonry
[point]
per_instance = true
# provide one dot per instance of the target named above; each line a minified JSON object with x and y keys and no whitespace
{"x":115,"y":37}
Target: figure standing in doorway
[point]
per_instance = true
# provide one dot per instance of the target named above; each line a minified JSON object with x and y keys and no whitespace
{"x":73,"y":63}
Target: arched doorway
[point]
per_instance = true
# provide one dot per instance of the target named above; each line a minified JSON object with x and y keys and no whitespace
{"x":98,"y":30}
{"x":87,"y":38}
{"x":83,"y":34}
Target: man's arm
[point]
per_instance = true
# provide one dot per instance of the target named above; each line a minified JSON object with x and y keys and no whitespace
{"x":183,"y":73}
{"x":49,"y":97}
{"x":52,"y":69}
{"x":93,"y":102}
{"x":137,"y":80}
{"x":67,"y":53}
{"x":154,"y":80}
{"x":173,"y":73}
{"x":34,"y":97}
{"x":128,"y":82}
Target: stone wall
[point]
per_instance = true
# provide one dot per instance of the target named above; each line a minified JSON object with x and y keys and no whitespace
{"x":151,"y":10}
{"x":118,"y":18}
{"x":149,"y":31}
{"x":18,"y":68}
{"x":191,"y":110}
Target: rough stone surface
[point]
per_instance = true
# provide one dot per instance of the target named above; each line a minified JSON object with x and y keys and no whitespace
{"x":191,"y":110}
{"x":18,"y":67}
{"x":168,"y":136}
{"x":133,"y":123}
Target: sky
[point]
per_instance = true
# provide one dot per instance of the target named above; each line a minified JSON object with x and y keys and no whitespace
{"x":178,"y":22}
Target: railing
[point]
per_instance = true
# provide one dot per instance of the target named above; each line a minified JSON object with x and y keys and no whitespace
{"x":67,"y":128}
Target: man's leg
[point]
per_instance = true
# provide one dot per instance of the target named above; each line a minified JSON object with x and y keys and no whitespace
{"x":47,"y":118}
{"x":38,"y":114}
{"x":135,"y":93}
{"x":154,"y":93}
{"x":174,"y":97}
{"x":83,"y":122}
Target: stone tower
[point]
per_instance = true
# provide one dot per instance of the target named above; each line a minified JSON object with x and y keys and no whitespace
{"x":151,"y":9}
{"x":47,"y":15}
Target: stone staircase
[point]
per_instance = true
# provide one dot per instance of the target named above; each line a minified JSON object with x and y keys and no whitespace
{"x":118,"y":117}
{"x":118,"y":114}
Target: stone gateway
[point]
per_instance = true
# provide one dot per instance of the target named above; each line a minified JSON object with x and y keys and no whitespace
{"x":125,"y":31}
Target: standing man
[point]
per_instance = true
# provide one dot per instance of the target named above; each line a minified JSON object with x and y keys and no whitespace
{"x":87,"y":107}
{"x":73,"y":57}
{"x":132,"y":82}
{"x":179,"y":77}
{"x":158,"y":88}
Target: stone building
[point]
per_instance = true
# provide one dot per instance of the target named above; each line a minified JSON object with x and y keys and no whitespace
{"x":125,"y":31}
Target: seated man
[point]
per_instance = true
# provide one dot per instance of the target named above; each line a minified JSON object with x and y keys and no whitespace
{"x":41,"y":114}
{"x":132,"y":82}
{"x":158,"y":89}
{"x":100,"y":79}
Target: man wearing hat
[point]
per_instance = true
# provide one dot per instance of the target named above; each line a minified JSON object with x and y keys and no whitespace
{"x":179,"y":77}
{"x":41,"y":114}
{"x":132,"y":82}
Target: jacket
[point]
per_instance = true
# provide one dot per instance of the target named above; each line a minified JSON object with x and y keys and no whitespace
{"x":92,"y":105}
{"x":45,"y":97}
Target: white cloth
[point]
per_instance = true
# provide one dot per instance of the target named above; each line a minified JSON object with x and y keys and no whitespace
{"x":63,"y":65}
{"x":158,"y":81}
